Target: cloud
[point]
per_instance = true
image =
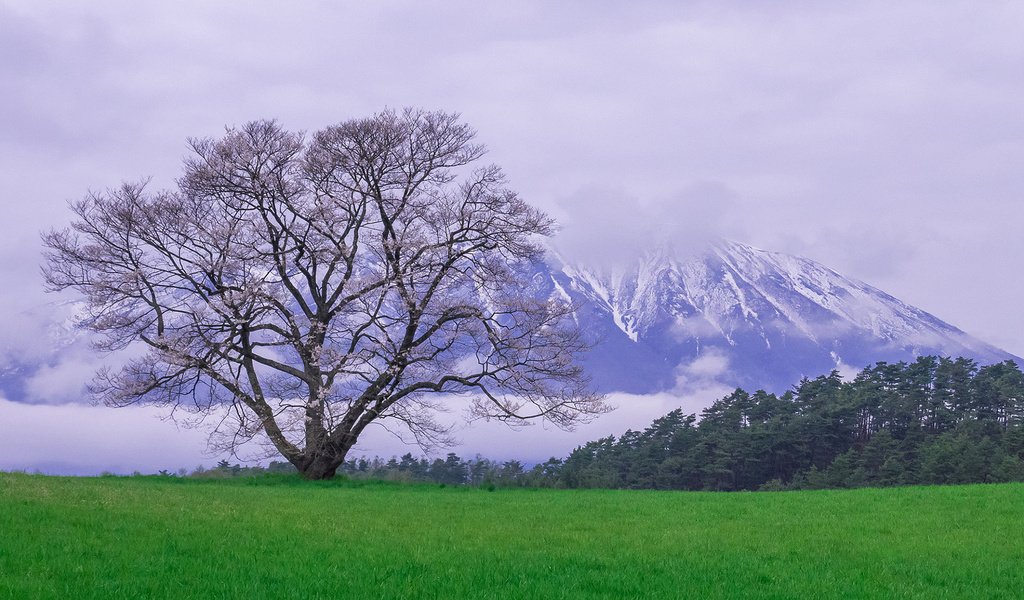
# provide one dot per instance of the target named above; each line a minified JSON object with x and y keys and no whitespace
{"x":88,"y":440}
{"x":61,"y":382}
{"x":709,"y":365}
{"x":602,"y":226}
{"x":539,"y":442}
{"x":847,"y":372}
{"x":708,"y":374}
{"x":76,"y":439}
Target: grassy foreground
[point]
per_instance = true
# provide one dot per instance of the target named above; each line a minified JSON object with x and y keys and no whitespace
{"x":166,"y":538}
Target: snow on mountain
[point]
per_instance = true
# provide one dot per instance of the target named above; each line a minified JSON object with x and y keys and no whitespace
{"x":745,"y":317}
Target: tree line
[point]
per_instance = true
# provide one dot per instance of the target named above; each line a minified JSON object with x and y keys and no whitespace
{"x":935,"y":420}
{"x":931,"y":421}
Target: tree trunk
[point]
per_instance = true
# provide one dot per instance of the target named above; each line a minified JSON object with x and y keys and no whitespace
{"x":321,"y":466}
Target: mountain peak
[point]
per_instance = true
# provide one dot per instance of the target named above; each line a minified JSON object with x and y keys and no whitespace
{"x":768,"y":317}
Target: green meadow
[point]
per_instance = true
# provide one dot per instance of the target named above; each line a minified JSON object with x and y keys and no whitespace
{"x":153,"y":537}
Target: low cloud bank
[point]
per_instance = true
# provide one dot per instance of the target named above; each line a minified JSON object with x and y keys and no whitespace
{"x":75,"y":439}
{"x":540,"y":441}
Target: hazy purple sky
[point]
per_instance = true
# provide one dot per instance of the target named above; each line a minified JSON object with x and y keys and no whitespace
{"x":883,"y":139}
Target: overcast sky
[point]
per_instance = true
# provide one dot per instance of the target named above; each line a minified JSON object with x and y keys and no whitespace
{"x":885,"y":140}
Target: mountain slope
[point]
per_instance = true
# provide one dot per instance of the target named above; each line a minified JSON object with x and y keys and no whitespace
{"x":740,"y":316}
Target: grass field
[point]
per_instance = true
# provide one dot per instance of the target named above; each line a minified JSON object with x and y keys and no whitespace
{"x":166,"y":538}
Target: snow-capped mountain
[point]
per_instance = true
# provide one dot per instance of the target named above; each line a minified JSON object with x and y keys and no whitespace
{"x":739,"y":316}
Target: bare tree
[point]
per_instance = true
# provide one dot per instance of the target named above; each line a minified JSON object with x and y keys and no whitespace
{"x":317,"y":285}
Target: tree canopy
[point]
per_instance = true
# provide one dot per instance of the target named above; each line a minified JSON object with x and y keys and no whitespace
{"x":317,"y":284}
